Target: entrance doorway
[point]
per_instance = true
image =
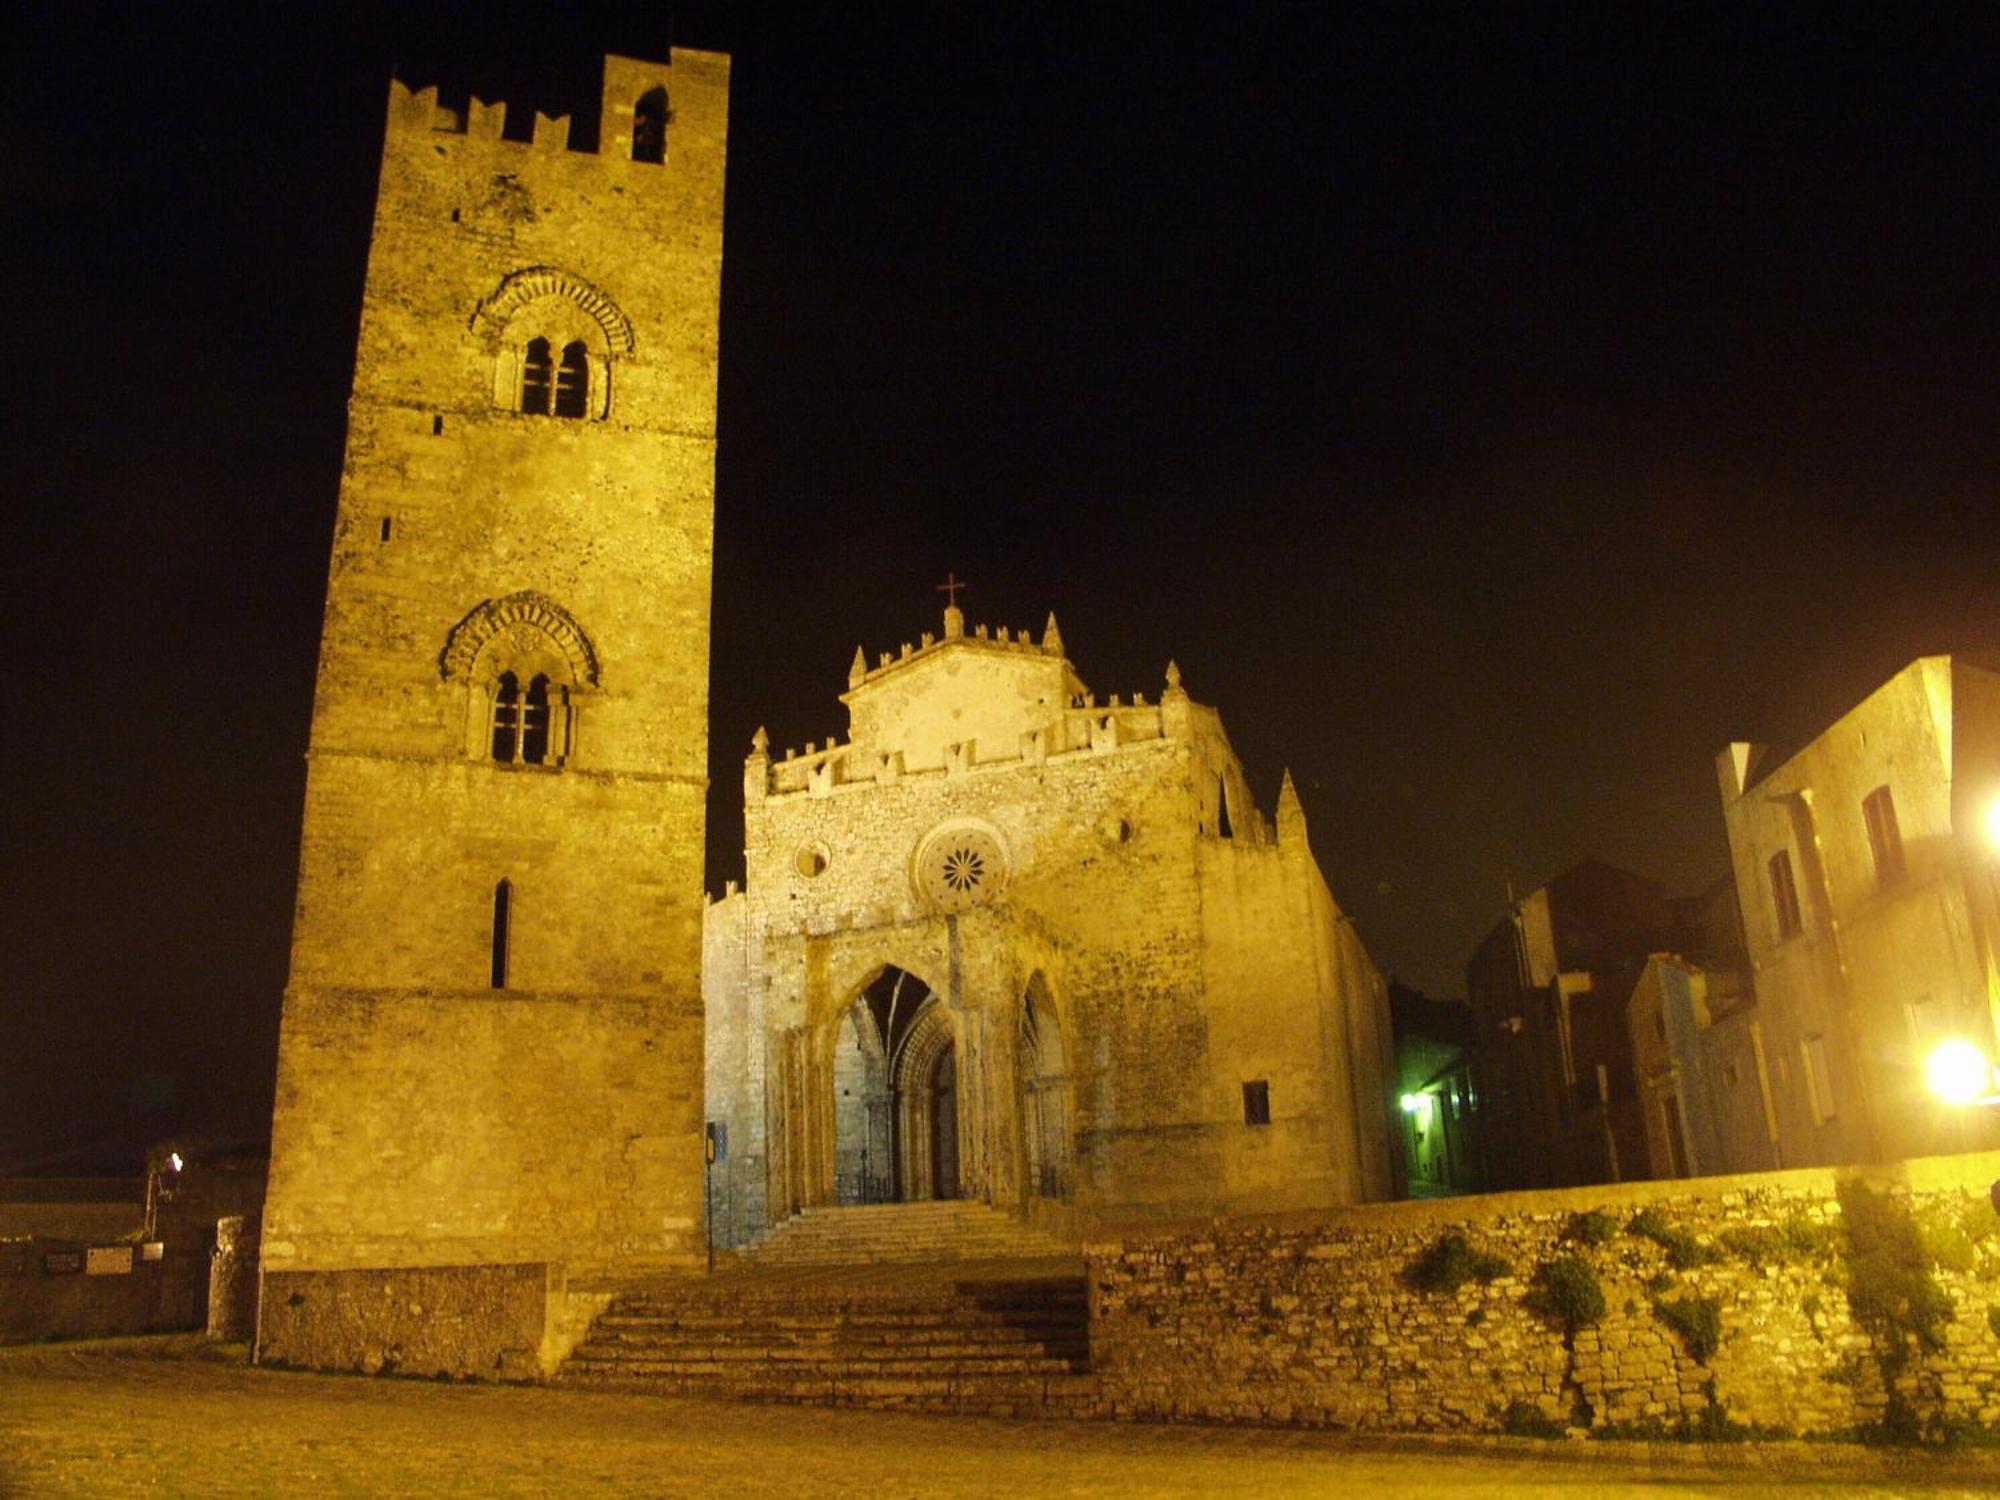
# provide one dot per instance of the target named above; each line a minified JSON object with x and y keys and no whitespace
{"x":895,"y":1082}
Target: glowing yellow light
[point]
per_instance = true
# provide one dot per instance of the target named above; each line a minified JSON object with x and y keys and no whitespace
{"x":1993,"y":822}
{"x":1957,"y":1071}
{"x":1412,"y":1103}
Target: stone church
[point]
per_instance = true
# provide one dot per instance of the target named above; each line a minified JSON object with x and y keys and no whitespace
{"x":1012,"y":943}
{"x":1008,"y":943}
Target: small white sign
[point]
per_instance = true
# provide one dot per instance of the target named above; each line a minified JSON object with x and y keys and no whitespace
{"x":108,"y":1260}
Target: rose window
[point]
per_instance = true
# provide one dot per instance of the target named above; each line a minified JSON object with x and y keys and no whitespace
{"x":959,"y":868}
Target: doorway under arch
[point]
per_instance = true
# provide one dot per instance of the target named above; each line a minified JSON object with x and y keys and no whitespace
{"x":895,"y":1082}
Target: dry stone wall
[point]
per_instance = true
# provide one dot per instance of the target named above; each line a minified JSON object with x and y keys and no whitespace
{"x":1811,"y":1302}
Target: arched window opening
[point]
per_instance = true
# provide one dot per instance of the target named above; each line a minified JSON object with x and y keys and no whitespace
{"x":1222,"y":809}
{"x":573,"y":380}
{"x":537,"y":377}
{"x":535,"y":722}
{"x":506,"y":717}
{"x":503,"y":901}
{"x":649,"y":126}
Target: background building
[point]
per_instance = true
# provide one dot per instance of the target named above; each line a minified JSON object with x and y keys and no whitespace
{"x":1549,"y":988}
{"x":1440,"y":1147}
{"x":1865,"y":864}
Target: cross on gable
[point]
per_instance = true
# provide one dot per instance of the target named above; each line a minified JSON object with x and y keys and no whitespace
{"x":949,"y":588}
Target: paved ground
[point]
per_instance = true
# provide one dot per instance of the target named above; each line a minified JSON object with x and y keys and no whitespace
{"x":156,"y":1417}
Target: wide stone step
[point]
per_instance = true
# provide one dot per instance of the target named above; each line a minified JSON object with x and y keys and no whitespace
{"x":829,"y":1368}
{"x":886,"y":1232}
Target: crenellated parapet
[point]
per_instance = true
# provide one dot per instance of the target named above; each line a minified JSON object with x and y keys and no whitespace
{"x":637,"y":121}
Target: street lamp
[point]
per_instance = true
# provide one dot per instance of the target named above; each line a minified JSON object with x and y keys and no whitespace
{"x":1957,"y":1072}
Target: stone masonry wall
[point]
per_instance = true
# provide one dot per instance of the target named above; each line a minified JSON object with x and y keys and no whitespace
{"x":486,"y":1321}
{"x":1315,"y":1320}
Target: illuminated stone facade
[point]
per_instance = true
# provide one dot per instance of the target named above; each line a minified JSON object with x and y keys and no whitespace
{"x":491,"y":1044}
{"x":1009,"y":942}
{"x":1865,"y":865}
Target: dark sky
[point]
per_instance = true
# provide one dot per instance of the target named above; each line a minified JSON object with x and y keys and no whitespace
{"x":1493,"y":413}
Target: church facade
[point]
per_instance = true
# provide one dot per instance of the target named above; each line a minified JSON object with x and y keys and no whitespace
{"x":1008,"y":942}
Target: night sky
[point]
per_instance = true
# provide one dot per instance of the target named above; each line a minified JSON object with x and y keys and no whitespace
{"x":1493,"y":413}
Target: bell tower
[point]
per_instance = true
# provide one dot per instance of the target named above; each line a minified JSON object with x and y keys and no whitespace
{"x":491,"y":1049}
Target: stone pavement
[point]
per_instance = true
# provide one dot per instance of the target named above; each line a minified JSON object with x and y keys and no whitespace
{"x":165,"y":1417}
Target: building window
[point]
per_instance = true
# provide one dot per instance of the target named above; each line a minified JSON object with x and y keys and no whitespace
{"x":649,"y":126}
{"x":1819,"y":1078}
{"x":1257,"y":1103}
{"x":537,"y":378}
{"x":503,"y":902}
{"x":1885,"y":840}
{"x":552,"y":387}
{"x":1785,"y":895}
{"x":521,"y":720}
{"x":573,"y":381}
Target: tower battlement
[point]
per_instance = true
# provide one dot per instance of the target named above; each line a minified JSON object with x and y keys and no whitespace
{"x":645,"y":106}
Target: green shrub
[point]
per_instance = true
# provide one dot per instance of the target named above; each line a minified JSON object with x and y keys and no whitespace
{"x":1889,"y":1283}
{"x":1474,"y":1318}
{"x":1567,"y":1288}
{"x":1683,"y":1249}
{"x":1451,"y":1262}
{"x":1949,"y":1246}
{"x":1525,"y":1419}
{"x":1594,"y":1228}
{"x":1698,"y":1321}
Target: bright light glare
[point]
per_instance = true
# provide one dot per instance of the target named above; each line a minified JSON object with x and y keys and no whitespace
{"x":1412,"y":1103}
{"x":1957,"y":1071}
{"x":1993,"y":822}
{"x":174,"y":1160}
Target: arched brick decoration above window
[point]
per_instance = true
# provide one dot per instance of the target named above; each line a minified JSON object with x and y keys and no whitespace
{"x":525,"y":610}
{"x":491,"y":317}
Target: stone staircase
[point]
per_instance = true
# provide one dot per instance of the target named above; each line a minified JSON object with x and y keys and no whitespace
{"x":890,"y":1232}
{"x":1002,"y":1338}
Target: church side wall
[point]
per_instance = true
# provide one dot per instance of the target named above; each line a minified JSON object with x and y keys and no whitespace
{"x":1291,"y":1004}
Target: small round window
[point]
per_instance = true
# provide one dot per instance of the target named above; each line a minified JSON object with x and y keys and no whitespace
{"x":811,"y":861}
{"x":961,"y":867}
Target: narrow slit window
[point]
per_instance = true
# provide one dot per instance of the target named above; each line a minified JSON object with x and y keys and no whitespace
{"x":506,"y":717}
{"x":649,"y":126}
{"x":537,"y":377}
{"x":503,"y":904}
{"x":573,"y":381}
{"x":385,"y":528}
{"x":1785,"y":895}
{"x":1222,"y":825}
